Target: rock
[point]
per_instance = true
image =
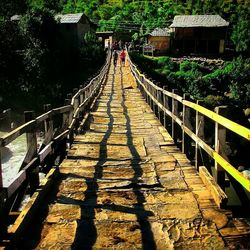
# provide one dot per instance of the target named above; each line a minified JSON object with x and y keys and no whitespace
{"x":218,"y":218}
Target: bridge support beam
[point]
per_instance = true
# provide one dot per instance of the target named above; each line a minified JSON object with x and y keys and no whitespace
{"x":220,"y":143}
{"x":186,"y":120}
{"x":174,"y":112}
{"x":199,"y":131}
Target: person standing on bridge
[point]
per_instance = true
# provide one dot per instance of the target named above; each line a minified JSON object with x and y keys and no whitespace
{"x":115,"y":57}
{"x":122,"y":57}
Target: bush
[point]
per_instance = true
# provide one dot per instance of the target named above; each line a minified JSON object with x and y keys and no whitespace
{"x":166,"y":63}
{"x":214,"y":100}
{"x":189,"y":66}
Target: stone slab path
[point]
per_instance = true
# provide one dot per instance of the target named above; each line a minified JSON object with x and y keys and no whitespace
{"x":125,"y":185}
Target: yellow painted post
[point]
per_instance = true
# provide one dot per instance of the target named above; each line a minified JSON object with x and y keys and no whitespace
{"x":199,"y":131}
{"x":220,"y":143}
{"x":186,"y":120}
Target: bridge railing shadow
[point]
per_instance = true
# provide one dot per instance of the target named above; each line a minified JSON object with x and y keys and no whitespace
{"x":86,"y":233}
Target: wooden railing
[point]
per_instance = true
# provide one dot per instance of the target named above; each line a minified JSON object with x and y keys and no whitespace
{"x":178,"y":109}
{"x":59,"y":126}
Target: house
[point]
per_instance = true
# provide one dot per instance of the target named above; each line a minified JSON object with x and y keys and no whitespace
{"x":106,"y":37}
{"x":199,"y":34}
{"x":73,"y":27}
{"x":160,"y":39}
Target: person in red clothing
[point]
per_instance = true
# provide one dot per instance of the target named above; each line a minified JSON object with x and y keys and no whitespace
{"x":122,"y":57}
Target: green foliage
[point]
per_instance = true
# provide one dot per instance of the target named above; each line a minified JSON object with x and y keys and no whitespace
{"x":241,"y":35}
{"x":230,"y":82}
{"x":214,"y":100}
{"x":92,"y":48}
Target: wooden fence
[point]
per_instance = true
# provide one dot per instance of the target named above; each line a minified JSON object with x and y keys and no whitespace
{"x":59,"y":126}
{"x":178,"y":109}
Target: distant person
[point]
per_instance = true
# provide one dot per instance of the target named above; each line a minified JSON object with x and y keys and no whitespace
{"x":122,"y":57}
{"x":115,"y":57}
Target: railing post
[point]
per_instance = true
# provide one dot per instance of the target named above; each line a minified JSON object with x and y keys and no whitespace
{"x":81,"y":95}
{"x":30,"y":138}
{"x":220,"y":143}
{"x":32,"y":152}
{"x":147,"y":96}
{"x":199,"y":131}
{"x":154,"y":104}
{"x":186,"y":121}
{"x":8,"y":119}
{"x":1,"y":170}
{"x":174,"y":112}
{"x":158,"y":100}
{"x":165,"y":104}
{"x":48,"y":124}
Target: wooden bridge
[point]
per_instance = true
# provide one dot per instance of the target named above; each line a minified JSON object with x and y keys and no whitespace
{"x":124,"y":184}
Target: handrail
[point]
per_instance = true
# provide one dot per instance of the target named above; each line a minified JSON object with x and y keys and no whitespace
{"x":233,"y":126}
{"x":71,"y":114}
{"x":152,"y":94}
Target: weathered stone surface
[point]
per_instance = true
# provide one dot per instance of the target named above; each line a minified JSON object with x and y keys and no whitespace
{"x":125,"y":185}
{"x":217,"y":217}
{"x":58,"y":236}
{"x":61,"y":213}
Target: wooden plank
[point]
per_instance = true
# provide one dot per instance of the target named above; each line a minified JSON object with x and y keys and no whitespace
{"x":199,"y":131}
{"x":61,"y":136}
{"x":63,"y":109}
{"x":218,"y":194}
{"x":44,"y":116}
{"x":1,"y":169}
{"x":236,"y":128}
{"x":29,"y":211}
{"x":16,"y":183}
{"x":6,"y":139}
{"x":186,"y":119}
{"x":30,"y":139}
{"x":233,"y":126}
{"x":168,"y":112}
{"x":218,"y":158}
{"x":219,"y":144}
{"x":47,"y":150}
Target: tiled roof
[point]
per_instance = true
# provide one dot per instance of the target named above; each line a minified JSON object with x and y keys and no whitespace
{"x":69,"y":18}
{"x":199,"y":21}
{"x":160,"y":32}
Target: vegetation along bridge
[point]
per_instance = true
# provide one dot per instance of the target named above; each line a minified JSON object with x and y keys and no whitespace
{"x":124,"y":184}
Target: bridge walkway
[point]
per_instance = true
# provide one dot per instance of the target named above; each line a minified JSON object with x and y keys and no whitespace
{"x":125,"y":185}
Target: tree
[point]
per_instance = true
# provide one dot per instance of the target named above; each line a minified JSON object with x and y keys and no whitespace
{"x":241,"y":35}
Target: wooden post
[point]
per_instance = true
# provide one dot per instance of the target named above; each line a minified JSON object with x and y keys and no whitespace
{"x":158,"y":100}
{"x":3,"y":213}
{"x":186,"y":120}
{"x":154,"y":103}
{"x":147,"y":96}
{"x":8,"y":118}
{"x":1,"y":170}
{"x":46,"y":108}
{"x":30,"y":138}
{"x":175,"y":112}
{"x":166,"y":106}
{"x":81,"y":97}
{"x":220,"y":142}
{"x":199,"y":131}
